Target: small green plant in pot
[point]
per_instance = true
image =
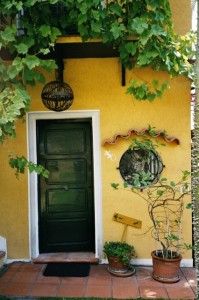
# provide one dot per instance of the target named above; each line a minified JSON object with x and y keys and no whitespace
{"x":119,"y":256}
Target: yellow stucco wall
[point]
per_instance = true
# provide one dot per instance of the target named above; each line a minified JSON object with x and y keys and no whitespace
{"x":181,"y":15}
{"x":97,"y":85}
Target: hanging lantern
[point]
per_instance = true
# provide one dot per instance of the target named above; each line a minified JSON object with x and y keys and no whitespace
{"x":57,"y":95}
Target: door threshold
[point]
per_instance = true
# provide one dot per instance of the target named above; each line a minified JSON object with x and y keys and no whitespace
{"x":45,"y":258}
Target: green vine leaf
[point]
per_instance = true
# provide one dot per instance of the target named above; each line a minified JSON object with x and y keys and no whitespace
{"x":45,"y":30}
{"x":145,"y":91}
{"x":141,"y":31}
{"x":12,"y":72}
{"x":9,"y":34}
{"x":160,"y":192}
{"x":115,"y":185}
{"x":22,"y":48}
{"x":20,"y":164}
{"x":31,"y":61}
{"x":139,"y":25}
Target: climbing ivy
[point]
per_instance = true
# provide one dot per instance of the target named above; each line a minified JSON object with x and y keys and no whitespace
{"x":20,"y":163}
{"x":195,"y":159}
{"x":141,"y":30}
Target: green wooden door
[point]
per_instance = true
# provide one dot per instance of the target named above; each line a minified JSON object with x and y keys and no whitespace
{"x":66,"y":204}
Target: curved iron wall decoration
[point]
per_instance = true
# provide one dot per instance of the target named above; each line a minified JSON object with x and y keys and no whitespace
{"x":134,"y":163}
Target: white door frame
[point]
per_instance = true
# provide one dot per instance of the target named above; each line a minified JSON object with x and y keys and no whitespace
{"x":32,"y":117}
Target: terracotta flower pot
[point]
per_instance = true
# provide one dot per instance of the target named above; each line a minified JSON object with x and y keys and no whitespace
{"x":166,"y":269}
{"x":117,"y":268}
{"x":116,"y":265}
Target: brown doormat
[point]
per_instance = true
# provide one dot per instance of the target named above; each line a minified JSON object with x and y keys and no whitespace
{"x":67,"y":269}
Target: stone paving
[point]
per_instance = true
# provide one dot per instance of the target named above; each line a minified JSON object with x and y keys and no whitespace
{"x":22,"y":280}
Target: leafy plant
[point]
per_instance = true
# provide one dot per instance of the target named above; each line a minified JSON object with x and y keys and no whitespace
{"x":142,"y":32}
{"x":143,"y":90}
{"x":165,"y":203}
{"x":20,"y":164}
{"x":122,"y":250}
{"x":195,"y":155}
{"x":147,"y":142}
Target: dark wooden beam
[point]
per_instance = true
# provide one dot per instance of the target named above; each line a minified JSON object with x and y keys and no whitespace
{"x":74,"y":50}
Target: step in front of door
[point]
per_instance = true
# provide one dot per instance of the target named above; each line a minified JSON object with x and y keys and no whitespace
{"x":45,"y":258}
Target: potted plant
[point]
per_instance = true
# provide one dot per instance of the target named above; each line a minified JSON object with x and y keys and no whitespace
{"x":165,"y":203}
{"x":119,"y":256}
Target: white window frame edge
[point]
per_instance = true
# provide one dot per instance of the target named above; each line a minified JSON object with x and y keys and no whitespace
{"x":32,"y":117}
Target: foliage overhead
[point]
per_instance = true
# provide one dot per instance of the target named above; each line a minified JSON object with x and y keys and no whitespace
{"x":195,"y":157}
{"x":141,"y":30}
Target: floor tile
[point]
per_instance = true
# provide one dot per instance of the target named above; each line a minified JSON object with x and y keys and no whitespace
{"x":190,"y":275}
{"x":149,"y":282}
{"x":7,"y":276}
{"x":99,"y":279}
{"x":30,"y":267}
{"x":67,"y":290}
{"x":48,"y":279}
{"x":98,"y":269}
{"x":3,"y":288}
{"x":123,"y":281}
{"x":189,"y":272}
{"x":17,"y":289}
{"x":153,"y":292}
{"x":25,"y":277}
{"x":143,"y":271}
{"x":101,"y":291}
{"x":44,"y":290}
{"x":183,"y":292}
{"x":15,"y":265}
{"x":73,"y":280}
{"x":126,"y":291}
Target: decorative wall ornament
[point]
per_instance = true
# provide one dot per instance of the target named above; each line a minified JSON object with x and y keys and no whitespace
{"x":130,"y":132}
{"x":109,"y":155}
{"x":141,"y":168}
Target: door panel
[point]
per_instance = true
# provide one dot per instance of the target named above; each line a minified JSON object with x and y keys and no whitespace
{"x":66,"y":204}
{"x":62,"y":201}
{"x":59,"y":141}
{"x":61,"y":170}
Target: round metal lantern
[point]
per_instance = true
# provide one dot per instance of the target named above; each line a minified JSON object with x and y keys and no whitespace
{"x":57,"y":95}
